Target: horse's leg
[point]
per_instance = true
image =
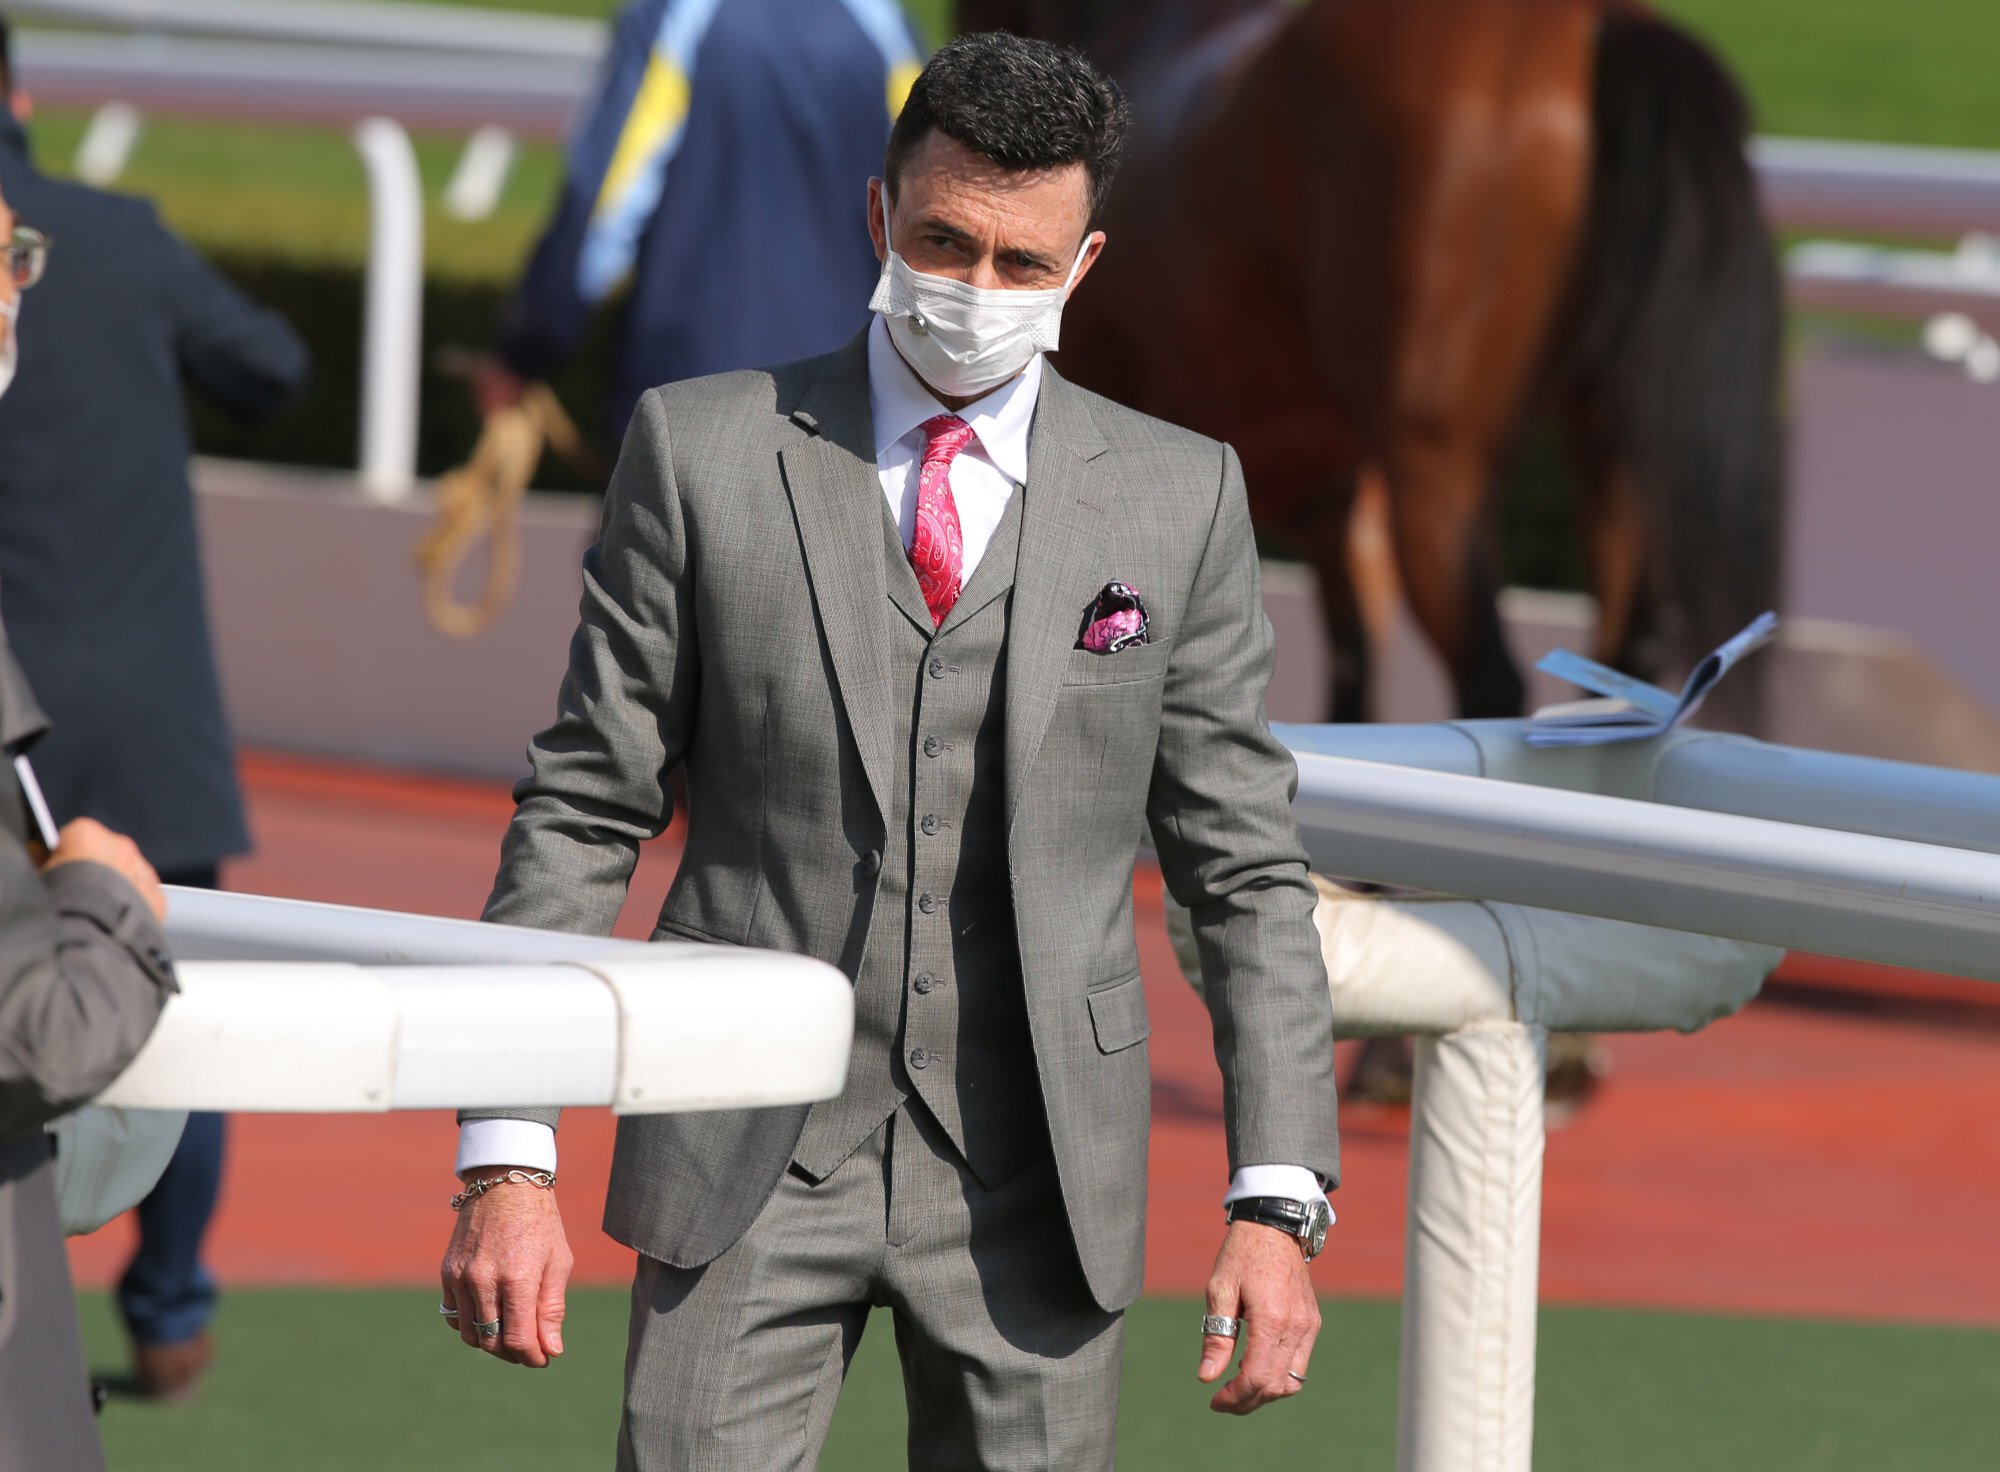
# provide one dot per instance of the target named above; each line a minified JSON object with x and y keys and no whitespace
{"x":1445,"y":551}
{"x":1629,"y":636}
{"x":1471,"y":135}
{"x":1321,"y":541}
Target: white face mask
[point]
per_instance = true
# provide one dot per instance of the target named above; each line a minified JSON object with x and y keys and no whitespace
{"x":965,"y":340}
{"x":10,"y":351}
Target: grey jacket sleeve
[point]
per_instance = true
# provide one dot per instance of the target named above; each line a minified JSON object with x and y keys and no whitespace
{"x":598,"y":780}
{"x":1221,"y":814}
{"x":84,"y":974}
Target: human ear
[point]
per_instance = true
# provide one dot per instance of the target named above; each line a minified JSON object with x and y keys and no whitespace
{"x":1093,"y":248}
{"x":878,"y":192}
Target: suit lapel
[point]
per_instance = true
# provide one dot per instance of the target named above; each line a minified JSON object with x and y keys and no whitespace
{"x":836,"y":498}
{"x":1064,"y":512}
{"x":904,"y":591}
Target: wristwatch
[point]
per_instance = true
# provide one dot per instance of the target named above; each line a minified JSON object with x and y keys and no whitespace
{"x":1303,"y":1220}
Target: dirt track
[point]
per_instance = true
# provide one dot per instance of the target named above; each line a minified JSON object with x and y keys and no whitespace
{"x":1787,"y":1161}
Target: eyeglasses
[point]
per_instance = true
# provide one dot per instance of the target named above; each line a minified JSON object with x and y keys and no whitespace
{"x":27,"y":256}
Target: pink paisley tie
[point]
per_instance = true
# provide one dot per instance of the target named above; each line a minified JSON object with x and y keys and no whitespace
{"x":937,"y":550}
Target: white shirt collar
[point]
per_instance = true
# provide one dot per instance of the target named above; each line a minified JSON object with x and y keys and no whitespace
{"x":901,"y":402}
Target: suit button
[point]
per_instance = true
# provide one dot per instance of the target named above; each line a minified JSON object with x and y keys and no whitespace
{"x":930,"y":823}
{"x":871,"y":863}
{"x":925,"y":984}
{"x":937,"y":669}
{"x":927,"y":902}
{"x":919,"y":1058}
{"x":932,"y":746}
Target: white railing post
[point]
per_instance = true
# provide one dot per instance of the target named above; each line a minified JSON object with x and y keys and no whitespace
{"x":392,"y":335}
{"x":1472,"y":1252}
{"x":106,"y":145}
{"x":476,"y":184}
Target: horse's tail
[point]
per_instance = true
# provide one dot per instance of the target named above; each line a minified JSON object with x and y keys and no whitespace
{"x":1676,"y":328}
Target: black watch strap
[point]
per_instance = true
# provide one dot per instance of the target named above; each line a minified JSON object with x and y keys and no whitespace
{"x":1282,"y":1212}
{"x":1304,"y":1221}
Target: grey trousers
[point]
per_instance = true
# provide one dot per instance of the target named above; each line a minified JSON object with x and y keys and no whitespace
{"x":1008,"y":1362}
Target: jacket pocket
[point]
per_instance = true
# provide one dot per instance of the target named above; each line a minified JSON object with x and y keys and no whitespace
{"x":1118,"y":1015}
{"x":676,"y":930}
{"x":1126,"y":667}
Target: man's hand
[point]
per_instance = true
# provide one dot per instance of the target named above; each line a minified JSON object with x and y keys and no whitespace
{"x":509,"y":1260}
{"x":87,"y":841}
{"x":1260,"y":1277}
{"x":495,"y":386}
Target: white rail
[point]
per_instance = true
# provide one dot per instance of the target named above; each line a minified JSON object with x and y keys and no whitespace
{"x":293,"y":1007}
{"x":1873,"y":899}
{"x":1879,"y":860}
{"x":392,"y":338}
{"x":208,"y":925}
{"x":1889,"y":187}
{"x":307,"y":84}
{"x":400,"y":27}
{"x":1692,"y":768}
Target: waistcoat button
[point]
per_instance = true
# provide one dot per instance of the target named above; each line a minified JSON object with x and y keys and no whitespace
{"x":871,"y":863}
{"x":930,"y":823}
{"x":925,"y":983}
{"x":919,"y":1058}
{"x":937,"y":669}
{"x":932,"y":746}
{"x":927,"y":902}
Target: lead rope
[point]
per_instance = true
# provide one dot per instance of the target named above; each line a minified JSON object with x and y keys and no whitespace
{"x":483,"y":497}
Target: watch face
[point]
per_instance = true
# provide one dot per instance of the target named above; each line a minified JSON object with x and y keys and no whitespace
{"x":1318,"y":1218}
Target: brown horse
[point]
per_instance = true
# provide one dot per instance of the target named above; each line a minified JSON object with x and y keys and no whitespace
{"x":1369,"y":239}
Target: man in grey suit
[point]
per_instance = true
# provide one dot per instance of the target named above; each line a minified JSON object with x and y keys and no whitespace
{"x":935,"y":636}
{"x":84,"y":974}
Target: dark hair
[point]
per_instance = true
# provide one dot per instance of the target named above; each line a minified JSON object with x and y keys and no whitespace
{"x":1023,"y":104}
{"x":6,"y":59}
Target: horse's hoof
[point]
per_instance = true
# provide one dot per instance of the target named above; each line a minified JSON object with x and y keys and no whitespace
{"x":1578,"y":1066}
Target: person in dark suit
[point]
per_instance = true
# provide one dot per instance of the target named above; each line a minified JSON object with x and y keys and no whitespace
{"x":716,"y":170}
{"x":101,"y":589}
{"x":84,"y":975}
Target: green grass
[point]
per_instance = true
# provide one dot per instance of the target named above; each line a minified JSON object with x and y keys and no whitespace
{"x":299,"y":193}
{"x":316,"y":1380}
{"x":1918,"y":71}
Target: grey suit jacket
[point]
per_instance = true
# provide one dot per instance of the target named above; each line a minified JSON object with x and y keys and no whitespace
{"x":83,"y":977}
{"x":732,"y":624}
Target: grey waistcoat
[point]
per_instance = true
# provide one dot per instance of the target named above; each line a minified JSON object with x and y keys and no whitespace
{"x":938,"y":1002}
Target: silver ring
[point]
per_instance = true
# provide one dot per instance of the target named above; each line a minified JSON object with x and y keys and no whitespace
{"x":1221,"y":1324}
{"x":488,"y":1330}
{"x":448,"y":1311}
{"x":1296,"y":1376}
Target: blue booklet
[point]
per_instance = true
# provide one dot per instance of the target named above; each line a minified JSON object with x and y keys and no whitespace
{"x":1629,"y":709}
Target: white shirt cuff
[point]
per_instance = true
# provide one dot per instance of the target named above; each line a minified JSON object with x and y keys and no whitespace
{"x":517,"y":1142}
{"x":1293,"y":1182}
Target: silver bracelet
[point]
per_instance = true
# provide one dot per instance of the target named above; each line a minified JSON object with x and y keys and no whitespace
{"x":546,"y":1179}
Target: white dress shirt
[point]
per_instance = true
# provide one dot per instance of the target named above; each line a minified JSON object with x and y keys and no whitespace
{"x":983,"y":476}
{"x":985,"y":472}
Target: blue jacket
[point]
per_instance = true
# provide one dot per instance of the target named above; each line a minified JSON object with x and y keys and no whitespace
{"x":100,"y":569}
{"x":723,"y":169}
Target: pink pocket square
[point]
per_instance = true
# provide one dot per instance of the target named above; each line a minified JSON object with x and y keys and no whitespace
{"x":1115,"y":620}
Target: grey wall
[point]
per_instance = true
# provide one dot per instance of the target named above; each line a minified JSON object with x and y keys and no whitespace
{"x":1895,"y":505}
{"x":321,"y":634}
